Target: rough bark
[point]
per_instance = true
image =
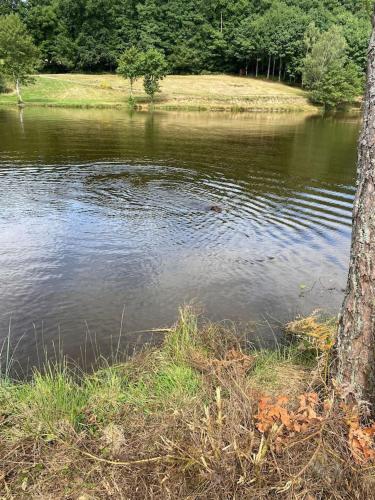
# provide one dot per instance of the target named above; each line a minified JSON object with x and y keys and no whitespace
{"x":355,"y":346}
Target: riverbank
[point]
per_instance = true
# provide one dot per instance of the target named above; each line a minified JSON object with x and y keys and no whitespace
{"x":191,"y":92}
{"x":199,"y":417}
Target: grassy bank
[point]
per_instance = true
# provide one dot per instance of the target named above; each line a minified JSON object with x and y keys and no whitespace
{"x":199,"y":417}
{"x":194,"y":92}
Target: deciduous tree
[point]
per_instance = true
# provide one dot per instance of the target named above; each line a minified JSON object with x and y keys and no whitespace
{"x":19,"y":57}
{"x":328,"y":73}
{"x":195,"y":36}
{"x":130,"y":66}
{"x":154,"y":68}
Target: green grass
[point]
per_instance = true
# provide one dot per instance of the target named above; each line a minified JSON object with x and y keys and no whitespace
{"x":173,"y":385}
{"x":60,"y":396}
{"x":191,"y":92}
{"x":190,"y":404}
{"x":185,"y":337}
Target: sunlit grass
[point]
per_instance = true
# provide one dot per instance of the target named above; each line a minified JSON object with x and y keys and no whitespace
{"x":191,"y":92}
{"x":170,"y":387}
{"x":183,"y":414}
{"x":60,"y":395}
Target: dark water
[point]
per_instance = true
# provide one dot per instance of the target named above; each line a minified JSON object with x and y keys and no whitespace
{"x":102,"y":209}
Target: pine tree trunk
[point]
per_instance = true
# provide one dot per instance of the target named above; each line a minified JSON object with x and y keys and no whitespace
{"x":256,"y":68}
{"x":280,"y":66}
{"x":355,"y":346}
{"x":269,"y":68}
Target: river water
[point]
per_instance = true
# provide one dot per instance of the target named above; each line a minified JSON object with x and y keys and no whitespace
{"x":105,"y":214}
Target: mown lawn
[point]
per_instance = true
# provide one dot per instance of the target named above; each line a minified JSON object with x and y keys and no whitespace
{"x":196,"y":92}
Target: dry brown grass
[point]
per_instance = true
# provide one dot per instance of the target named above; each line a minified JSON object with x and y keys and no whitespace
{"x":204,"y":442}
{"x":192,"y":92}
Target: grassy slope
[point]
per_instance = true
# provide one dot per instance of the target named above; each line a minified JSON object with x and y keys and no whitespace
{"x":175,"y":422}
{"x":214,"y":92}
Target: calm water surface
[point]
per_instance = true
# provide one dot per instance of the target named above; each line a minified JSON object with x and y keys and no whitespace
{"x":101,"y":210}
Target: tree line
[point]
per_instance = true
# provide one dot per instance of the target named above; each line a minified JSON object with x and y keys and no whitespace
{"x":320,"y":44}
{"x":259,"y":37}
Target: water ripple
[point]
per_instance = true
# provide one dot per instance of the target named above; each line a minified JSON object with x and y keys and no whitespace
{"x":236,"y":213}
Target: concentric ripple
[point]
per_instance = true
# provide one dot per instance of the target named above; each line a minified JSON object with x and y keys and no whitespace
{"x":249,"y":216}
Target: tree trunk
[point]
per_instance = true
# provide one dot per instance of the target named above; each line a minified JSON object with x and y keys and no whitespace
{"x":269,"y":68}
{"x":18,"y":92}
{"x":355,"y":346}
{"x":273,"y":69}
{"x":280,"y":66}
{"x":256,"y":68}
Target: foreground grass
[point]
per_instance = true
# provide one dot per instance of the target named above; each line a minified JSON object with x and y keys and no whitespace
{"x":194,"y":92}
{"x":179,"y":421}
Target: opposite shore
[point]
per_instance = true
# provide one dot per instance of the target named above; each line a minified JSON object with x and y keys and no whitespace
{"x":190,"y":93}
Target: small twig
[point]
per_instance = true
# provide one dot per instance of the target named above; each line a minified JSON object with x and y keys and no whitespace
{"x":123,"y":464}
{"x":131,"y":462}
{"x":310,"y":436}
{"x":346,"y":462}
{"x":153,"y":330}
{"x":311,"y":460}
{"x":276,"y":464}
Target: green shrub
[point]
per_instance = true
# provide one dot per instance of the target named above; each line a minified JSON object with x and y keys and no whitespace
{"x":328,"y":73}
{"x":340,"y":85}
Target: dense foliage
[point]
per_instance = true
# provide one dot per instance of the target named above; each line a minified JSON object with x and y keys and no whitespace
{"x":154,"y":70}
{"x":328,"y":72}
{"x":18,"y":55}
{"x":248,"y":36}
{"x":130,"y":65}
{"x":150,"y":64}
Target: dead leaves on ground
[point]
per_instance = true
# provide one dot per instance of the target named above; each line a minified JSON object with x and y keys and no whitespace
{"x":360,"y":438}
{"x":276,"y":412}
{"x":233,"y":361}
{"x":274,"y":416}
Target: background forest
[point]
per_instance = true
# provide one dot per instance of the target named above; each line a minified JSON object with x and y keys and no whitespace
{"x":264,"y":37}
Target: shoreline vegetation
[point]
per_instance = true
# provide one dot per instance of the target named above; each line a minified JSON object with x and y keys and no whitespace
{"x":189,"y":93}
{"x":201,"y":416}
